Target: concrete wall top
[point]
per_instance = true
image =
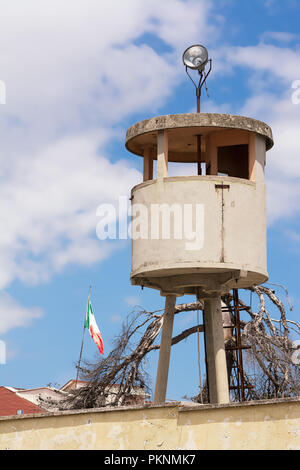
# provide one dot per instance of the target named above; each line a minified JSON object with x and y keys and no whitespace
{"x":183,"y":128}
{"x":264,"y":425}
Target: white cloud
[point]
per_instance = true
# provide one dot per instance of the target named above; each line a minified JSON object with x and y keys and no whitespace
{"x":115,"y":318}
{"x":293,"y":235}
{"x":73,"y":64}
{"x":270,"y":100}
{"x":73,"y":71}
{"x":283,"y":161}
{"x":274,"y":6}
{"x":13,"y":315}
{"x":133,"y":301}
{"x":280,"y":62}
{"x":48,"y":208}
{"x":269,"y":3}
{"x":278,"y":36}
{"x":182,"y":23}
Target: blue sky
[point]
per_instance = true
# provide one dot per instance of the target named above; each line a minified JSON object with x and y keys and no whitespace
{"x":77,"y":75}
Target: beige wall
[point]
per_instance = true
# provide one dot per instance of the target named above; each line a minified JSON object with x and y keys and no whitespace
{"x":264,"y":425}
{"x":234,"y":230}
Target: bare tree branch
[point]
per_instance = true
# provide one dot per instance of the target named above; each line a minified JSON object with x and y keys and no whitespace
{"x":124,"y":370}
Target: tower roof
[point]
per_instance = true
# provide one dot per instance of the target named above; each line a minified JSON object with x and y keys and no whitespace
{"x":183,"y":129}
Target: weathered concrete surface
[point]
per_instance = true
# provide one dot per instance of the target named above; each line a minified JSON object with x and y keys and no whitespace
{"x":268,"y":425}
{"x":231,"y":233}
{"x":215,"y":351}
{"x":165,"y":351}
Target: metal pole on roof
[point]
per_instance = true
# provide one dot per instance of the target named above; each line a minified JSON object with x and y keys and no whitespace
{"x":81,"y":349}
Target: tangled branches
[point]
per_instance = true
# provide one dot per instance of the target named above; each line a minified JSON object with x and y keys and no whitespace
{"x":272,"y":348}
{"x":121,"y":377}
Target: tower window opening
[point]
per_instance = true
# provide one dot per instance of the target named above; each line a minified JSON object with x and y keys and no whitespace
{"x":182,"y":169}
{"x":233,"y":160}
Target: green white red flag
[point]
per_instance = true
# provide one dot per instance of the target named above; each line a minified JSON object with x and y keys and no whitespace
{"x":91,"y":324}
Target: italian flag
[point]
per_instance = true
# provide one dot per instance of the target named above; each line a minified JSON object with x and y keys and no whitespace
{"x":91,"y":324}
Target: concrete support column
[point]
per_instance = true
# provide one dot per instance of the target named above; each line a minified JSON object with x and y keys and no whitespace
{"x":213,"y":156}
{"x":165,"y":350}
{"x":148,"y":164}
{"x":162,"y":154}
{"x":252,"y":157}
{"x":215,"y":351}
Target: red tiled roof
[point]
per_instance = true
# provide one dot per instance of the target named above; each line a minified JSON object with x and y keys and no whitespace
{"x":10,"y":403}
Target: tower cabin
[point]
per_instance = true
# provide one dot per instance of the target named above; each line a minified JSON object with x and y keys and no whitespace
{"x":229,"y":186}
{"x":202,"y":234}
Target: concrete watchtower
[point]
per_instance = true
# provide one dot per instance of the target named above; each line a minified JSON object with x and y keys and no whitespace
{"x":203,"y":234}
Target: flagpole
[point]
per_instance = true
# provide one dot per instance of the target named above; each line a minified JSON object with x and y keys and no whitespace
{"x":81,"y":349}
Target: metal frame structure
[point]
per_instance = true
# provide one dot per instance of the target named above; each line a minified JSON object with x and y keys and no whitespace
{"x":240,"y":383}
